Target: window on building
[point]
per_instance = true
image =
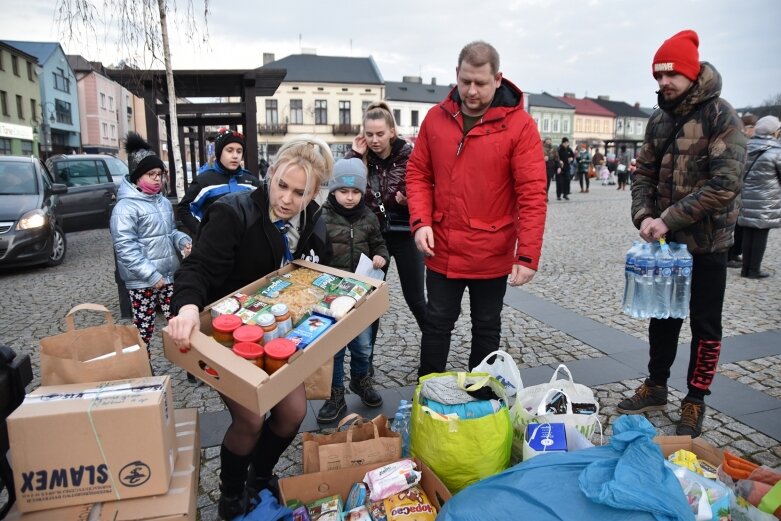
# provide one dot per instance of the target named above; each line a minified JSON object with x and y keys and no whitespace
{"x":33,"y":110}
{"x":605,"y":126}
{"x":555,"y":125}
{"x":27,"y":147}
{"x":4,"y":103}
{"x":344,"y":112}
{"x":60,"y":81}
{"x":15,"y":65}
{"x":102,"y":100}
{"x":272,"y":116}
{"x":397,"y":116}
{"x":2,"y":64}
{"x":113,"y":131}
{"x":546,"y":123}
{"x":640,"y":128}
{"x":5,"y":146}
{"x":30,"y":71}
{"x":111,"y":102}
{"x":588,"y":125}
{"x":19,"y":107}
{"x":62,"y":111}
{"x":414,"y":114}
{"x":565,"y":126}
{"x":297,"y":112}
{"x":365,"y":107}
{"x":537,"y":121}
{"x":578,"y":125}
{"x":105,"y":130}
{"x":630,"y":127}
{"x":321,"y":112}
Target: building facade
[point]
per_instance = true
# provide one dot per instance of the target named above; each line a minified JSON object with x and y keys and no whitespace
{"x":99,"y":108}
{"x":630,"y":124}
{"x":554,"y":117}
{"x":594,"y":124}
{"x":321,"y":95}
{"x":20,"y":96}
{"x":410,"y":100}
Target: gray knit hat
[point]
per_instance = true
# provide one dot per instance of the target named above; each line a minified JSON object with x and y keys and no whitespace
{"x":766,"y":126}
{"x":140,"y":157}
{"x":348,"y":173}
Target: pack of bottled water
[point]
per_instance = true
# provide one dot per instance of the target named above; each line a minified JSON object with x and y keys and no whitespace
{"x":657,"y":280}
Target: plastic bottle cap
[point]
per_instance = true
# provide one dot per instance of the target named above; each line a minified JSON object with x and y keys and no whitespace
{"x":280,"y":348}
{"x":265,"y":319}
{"x":226,"y":323}
{"x":279,"y":309}
{"x":248,"y":350}
{"x":248,"y":334}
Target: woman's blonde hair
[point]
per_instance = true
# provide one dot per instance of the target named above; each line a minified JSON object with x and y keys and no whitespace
{"x":312,"y":155}
{"x":381,"y":110}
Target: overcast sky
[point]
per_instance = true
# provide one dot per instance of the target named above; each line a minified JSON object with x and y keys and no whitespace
{"x":588,"y":47}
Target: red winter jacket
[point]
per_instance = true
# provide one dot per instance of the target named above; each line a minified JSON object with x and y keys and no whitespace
{"x":484,"y":197}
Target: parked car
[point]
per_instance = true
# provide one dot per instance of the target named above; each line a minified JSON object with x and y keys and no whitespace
{"x":30,"y":228}
{"x":92,"y":181}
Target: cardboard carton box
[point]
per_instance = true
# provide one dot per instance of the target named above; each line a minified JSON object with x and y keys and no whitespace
{"x":704,"y":450}
{"x":178,"y":504}
{"x":251,"y":386}
{"x":317,"y":485}
{"x":85,"y":443}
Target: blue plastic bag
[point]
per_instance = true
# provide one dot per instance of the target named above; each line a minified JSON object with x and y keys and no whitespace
{"x":625,"y":480}
{"x":268,"y":510}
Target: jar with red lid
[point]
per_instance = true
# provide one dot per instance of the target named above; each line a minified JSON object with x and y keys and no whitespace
{"x":277,"y":353}
{"x":250,"y":351}
{"x":223,"y":327}
{"x":248,"y":333}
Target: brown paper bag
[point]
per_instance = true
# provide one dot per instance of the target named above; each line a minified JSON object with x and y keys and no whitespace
{"x":363,"y":442}
{"x":318,"y":385}
{"x":69,"y":358}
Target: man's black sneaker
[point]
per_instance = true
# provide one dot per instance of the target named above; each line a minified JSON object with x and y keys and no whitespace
{"x":692,"y":416}
{"x":333,"y":406}
{"x":647,"y":397}
{"x":363,"y":386}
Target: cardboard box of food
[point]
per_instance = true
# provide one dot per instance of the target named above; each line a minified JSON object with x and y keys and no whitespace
{"x":704,"y":450}
{"x":252,"y":387}
{"x":317,"y":485}
{"x":86,"y":443}
{"x":178,"y":504}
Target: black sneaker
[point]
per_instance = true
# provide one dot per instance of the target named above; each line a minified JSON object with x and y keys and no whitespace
{"x":363,"y":386}
{"x":647,"y":397}
{"x":231,"y":507}
{"x":692,"y":415}
{"x":333,"y":406}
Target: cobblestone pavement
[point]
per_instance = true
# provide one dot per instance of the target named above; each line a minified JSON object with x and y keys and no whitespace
{"x":582,"y":270}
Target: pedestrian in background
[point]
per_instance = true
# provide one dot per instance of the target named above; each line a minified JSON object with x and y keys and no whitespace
{"x":552,"y":164}
{"x":476,"y":186}
{"x":563,"y":176}
{"x":761,"y":194}
{"x":243,"y":237}
{"x":622,"y":167}
{"x":584,"y":162}
{"x":354,"y":230}
{"x":734,"y":259}
{"x":688,"y":177}
{"x":145,"y":237}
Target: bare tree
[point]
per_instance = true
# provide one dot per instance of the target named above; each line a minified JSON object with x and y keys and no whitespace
{"x":141,"y":31}
{"x":772,"y":101}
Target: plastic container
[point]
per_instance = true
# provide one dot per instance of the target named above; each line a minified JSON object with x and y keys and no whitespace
{"x":645,"y":264}
{"x":663,"y":282}
{"x":248,"y":333}
{"x":401,"y":424}
{"x":277,"y":352}
{"x":682,"y":280}
{"x":269,"y":325}
{"x":629,"y":278}
{"x":223,"y":327}
{"x":282,"y":316}
{"x":250,"y":351}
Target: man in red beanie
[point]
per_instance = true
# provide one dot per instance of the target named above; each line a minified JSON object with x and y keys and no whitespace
{"x":686,"y":186}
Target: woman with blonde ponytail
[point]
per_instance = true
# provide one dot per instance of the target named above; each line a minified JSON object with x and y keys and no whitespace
{"x":386,"y":155}
{"x":243,"y":237}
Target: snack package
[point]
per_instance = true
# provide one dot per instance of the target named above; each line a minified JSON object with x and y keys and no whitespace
{"x":409,"y":505}
{"x":275,"y":288}
{"x":353,"y":288}
{"x":336,"y":306}
{"x":686,"y":459}
{"x":227,"y":306}
{"x":327,"y":282}
{"x":326,"y":509}
{"x":301,"y":514}
{"x":357,"y":496}
{"x":377,"y":510}
{"x":360,"y":513}
{"x":309,"y":329}
{"x":391,"y":479}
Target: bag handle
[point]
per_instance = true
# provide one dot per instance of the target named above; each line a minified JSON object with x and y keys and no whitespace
{"x":508,"y":359}
{"x":352,"y":417}
{"x":357,"y":420}
{"x":70,"y":324}
{"x":480,"y":381}
{"x":564,"y":368}
{"x":542,"y":411}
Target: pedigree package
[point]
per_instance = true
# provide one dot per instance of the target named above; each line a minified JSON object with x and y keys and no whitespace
{"x":88,"y":443}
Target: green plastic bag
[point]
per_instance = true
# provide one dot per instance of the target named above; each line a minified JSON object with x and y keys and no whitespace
{"x":462,"y":451}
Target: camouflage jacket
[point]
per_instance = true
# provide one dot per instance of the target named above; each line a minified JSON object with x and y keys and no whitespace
{"x":349,"y":240}
{"x":695,"y":188}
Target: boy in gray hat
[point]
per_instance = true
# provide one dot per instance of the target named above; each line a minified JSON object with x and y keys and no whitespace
{"x":353,"y":229}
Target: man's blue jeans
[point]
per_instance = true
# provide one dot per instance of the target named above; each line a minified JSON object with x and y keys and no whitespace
{"x":486,"y":298}
{"x":360,"y":350}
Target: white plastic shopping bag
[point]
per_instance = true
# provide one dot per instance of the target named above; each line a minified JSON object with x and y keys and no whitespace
{"x":503,"y":369}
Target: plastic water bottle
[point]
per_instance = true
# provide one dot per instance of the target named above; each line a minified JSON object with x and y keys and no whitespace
{"x":401,"y":424}
{"x":663,"y":281}
{"x":645,"y":264}
{"x":629,"y":278}
{"x":682,"y":282}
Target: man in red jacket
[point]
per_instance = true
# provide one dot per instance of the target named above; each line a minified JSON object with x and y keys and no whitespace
{"x":476,"y":189}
